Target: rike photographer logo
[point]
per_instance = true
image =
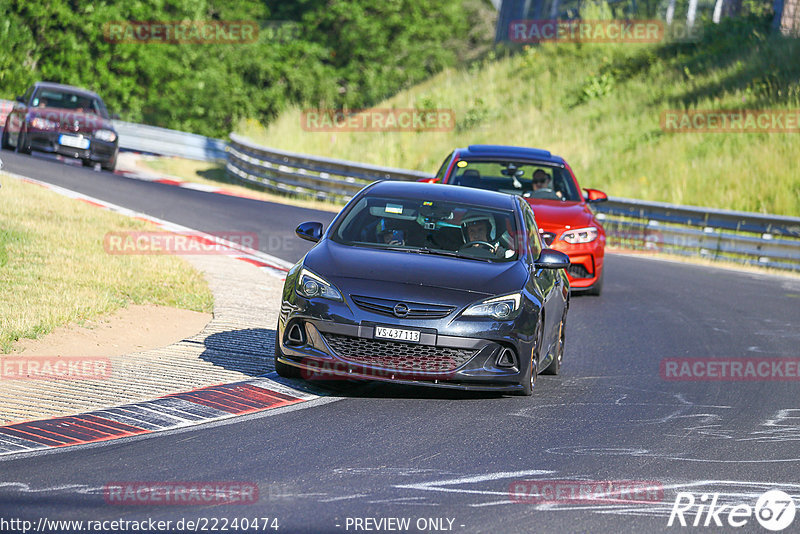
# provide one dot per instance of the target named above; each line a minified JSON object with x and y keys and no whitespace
{"x":774,"y":510}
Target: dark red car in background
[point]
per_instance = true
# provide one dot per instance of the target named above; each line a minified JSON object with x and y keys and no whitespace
{"x":62,"y":119}
{"x":565,"y":221}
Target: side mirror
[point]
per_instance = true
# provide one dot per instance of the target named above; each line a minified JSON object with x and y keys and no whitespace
{"x":593,"y":195}
{"x":115,"y":116}
{"x":551,"y":259}
{"x":20,"y":99}
{"x":310,"y":231}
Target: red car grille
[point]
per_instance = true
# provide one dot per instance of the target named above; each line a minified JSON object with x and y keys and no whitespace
{"x":404,"y":357}
{"x":576,"y":270}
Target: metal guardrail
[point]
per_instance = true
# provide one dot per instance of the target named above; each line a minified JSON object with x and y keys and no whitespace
{"x":142,"y":138}
{"x":744,"y":237}
{"x":5,"y":108}
{"x":305,"y":175}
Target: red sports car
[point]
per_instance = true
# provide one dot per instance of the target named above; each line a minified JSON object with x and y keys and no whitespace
{"x":547,"y":182}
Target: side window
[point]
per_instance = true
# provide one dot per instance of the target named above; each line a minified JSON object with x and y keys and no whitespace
{"x":443,"y":169}
{"x":28,"y":94}
{"x":534,"y":240}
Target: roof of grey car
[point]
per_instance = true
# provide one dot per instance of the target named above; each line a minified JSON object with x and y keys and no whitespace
{"x":439,"y":192}
{"x":70,"y":88}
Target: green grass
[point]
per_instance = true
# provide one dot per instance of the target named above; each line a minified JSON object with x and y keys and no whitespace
{"x":599,"y":107}
{"x":54,"y":270}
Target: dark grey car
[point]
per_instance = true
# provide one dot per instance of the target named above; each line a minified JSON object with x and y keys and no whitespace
{"x":62,"y":119}
{"x":426,"y":284}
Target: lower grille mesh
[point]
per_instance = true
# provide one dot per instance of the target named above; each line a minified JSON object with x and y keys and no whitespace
{"x":578,"y":271}
{"x":397,"y":356}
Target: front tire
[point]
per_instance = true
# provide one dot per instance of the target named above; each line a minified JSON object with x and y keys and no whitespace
{"x":110,"y":165}
{"x":22,"y":144}
{"x":555,"y":366}
{"x":597,"y":288}
{"x":533,"y":371}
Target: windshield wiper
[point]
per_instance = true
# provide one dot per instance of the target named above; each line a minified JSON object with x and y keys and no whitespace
{"x":439,"y":252}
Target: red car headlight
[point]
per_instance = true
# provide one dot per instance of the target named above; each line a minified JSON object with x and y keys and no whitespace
{"x":580,"y":235}
{"x":40,"y":123}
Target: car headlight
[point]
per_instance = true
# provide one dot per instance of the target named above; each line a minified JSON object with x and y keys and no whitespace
{"x":503,"y":307}
{"x":310,"y":285}
{"x":580,"y":235}
{"x":40,"y":123}
{"x":105,"y":135}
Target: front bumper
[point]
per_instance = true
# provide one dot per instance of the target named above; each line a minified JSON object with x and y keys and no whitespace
{"x":329,"y":350}
{"x":586,"y":261}
{"x":47,"y":141}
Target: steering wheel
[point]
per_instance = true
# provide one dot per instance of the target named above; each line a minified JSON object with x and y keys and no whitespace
{"x":485,"y":244}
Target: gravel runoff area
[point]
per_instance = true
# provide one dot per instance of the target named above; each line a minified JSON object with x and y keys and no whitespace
{"x":236,"y":345}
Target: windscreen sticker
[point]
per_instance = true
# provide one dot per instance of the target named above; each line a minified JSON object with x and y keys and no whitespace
{"x":394,"y":208}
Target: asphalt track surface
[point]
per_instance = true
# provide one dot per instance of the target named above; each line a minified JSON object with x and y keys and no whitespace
{"x":384,"y":451}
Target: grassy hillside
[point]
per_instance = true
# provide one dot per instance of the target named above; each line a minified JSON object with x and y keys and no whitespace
{"x":599,"y":106}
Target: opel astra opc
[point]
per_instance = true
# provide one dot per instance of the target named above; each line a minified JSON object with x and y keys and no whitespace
{"x":426,"y":284}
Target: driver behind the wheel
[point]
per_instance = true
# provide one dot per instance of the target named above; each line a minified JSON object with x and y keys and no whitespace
{"x":541,"y":181}
{"x":480,"y":230}
{"x":389,"y":234}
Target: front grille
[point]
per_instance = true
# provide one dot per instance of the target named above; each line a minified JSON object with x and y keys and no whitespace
{"x":578,"y":271}
{"x":416,"y":310}
{"x":406,"y":357}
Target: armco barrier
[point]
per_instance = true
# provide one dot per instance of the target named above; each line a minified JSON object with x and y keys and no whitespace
{"x":5,"y":108}
{"x":301,"y":174}
{"x":752,"y":238}
{"x":166,"y":142}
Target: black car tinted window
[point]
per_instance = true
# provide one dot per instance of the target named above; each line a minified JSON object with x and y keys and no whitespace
{"x":426,"y":226}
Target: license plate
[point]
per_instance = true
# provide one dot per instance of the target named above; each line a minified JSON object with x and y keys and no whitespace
{"x":397,"y":334}
{"x":73,"y":141}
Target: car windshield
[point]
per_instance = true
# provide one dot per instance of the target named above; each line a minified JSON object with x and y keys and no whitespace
{"x":420,"y":226}
{"x":530,"y":180}
{"x":50,"y":98}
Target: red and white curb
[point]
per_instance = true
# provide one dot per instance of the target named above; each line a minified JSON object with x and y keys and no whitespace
{"x":206,"y":188}
{"x":169,"y":412}
{"x":271,"y":264}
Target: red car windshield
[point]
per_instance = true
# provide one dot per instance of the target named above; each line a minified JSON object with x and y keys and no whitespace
{"x":49,"y":98}
{"x":530,"y":180}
